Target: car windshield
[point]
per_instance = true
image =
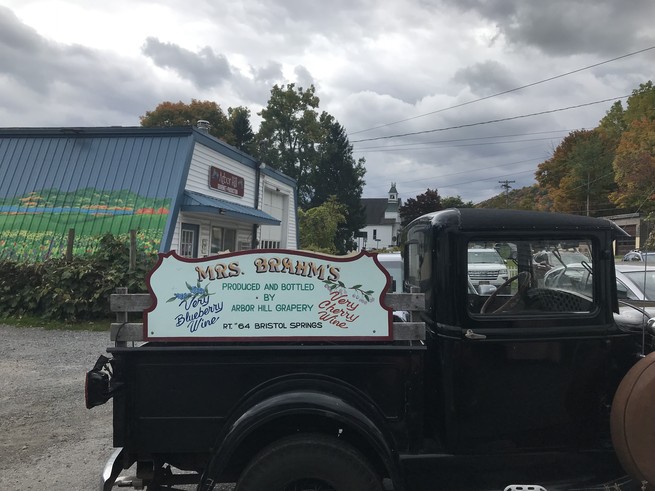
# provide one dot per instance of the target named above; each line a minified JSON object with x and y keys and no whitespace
{"x":643,"y":280}
{"x":480,"y":257}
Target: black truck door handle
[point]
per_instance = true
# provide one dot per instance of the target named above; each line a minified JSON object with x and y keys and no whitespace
{"x":471,"y":335}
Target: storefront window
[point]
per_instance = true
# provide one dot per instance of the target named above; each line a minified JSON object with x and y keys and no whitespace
{"x":223,"y":239}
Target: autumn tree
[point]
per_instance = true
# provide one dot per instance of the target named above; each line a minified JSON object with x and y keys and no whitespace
{"x":319,"y":225}
{"x":415,"y":207}
{"x":634,"y":167}
{"x":525,"y":198}
{"x":168,"y":114}
{"x":641,"y":104}
{"x":613,"y":123}
{"x":579,"y":177}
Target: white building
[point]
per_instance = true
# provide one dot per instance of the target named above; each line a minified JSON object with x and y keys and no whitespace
{"x":382,"y":222}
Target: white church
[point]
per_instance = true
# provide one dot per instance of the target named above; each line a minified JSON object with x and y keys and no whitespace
{"x":382,"y":222}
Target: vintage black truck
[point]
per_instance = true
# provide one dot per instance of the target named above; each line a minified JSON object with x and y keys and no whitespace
{"x":526,"y":385}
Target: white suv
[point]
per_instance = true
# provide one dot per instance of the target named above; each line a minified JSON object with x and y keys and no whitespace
{"x":486,"y":267}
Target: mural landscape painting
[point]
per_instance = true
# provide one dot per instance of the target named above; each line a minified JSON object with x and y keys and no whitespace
{"x":35,"y":226}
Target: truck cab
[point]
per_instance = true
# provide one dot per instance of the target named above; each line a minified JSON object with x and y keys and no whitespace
{"x":521,"y":369}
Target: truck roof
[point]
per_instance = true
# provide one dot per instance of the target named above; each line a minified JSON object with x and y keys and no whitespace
{"x":478,"y":219}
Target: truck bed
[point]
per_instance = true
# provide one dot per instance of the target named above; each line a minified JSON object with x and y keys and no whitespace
{"x":182,"y":398}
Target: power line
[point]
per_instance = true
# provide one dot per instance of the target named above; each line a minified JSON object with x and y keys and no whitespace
{"x":468,"y":171}
{"x":499,"y":120}
{"x":455,"y":140}
{"x":508,"y":91}
{"x":428,"y":146}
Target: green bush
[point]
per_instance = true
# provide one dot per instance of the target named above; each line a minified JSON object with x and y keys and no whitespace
{"x":72,"y":290}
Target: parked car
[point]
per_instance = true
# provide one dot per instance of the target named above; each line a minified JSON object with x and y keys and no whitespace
{"x":636,"y":281}
{"x":554,"y":260}
{"x":486,"y":267}
{"x":639,"y":256}
{"x":633,"y":281}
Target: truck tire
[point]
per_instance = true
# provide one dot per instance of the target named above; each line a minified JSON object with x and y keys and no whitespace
{"x":309,"y":463}
{"x":632,"y":420}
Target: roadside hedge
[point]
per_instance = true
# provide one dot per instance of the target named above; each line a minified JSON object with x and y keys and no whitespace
{"x":72,"y":290}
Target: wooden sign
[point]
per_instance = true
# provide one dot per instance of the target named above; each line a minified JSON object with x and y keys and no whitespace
{"x":225,"y":181}
{"x":268,"y":295}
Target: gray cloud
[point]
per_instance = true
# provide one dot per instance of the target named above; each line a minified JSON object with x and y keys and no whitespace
{"x":204,"y":68}
{"x":398,"y":67}
{"x":303,"y":78}
{"x":486,"y":78}
{"x":564,"y":27}
{"x":271,"y":73}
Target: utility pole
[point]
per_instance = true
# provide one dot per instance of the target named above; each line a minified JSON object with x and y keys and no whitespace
{"x":506,"y":185}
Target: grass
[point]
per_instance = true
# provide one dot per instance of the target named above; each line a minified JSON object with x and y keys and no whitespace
{"x":50,"y":324}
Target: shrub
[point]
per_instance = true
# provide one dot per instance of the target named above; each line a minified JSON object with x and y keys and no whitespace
{"x":72,"y":290}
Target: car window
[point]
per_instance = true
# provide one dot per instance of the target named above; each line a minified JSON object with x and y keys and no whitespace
{"x":644,"y":281}
{"x":537,"y":276}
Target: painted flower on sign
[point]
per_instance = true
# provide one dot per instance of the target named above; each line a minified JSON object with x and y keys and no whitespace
{"x":193,"y":293}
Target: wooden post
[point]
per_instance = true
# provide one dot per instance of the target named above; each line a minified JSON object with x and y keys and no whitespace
{"x":69,"y":244}
{"x":121,"y":317}
{"x":132,"y":250}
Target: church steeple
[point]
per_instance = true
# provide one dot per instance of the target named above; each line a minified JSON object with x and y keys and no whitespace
{"x":393,"y":194}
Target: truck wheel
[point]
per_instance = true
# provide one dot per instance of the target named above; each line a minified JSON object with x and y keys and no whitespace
{"x":632,"y":423}
{"x":309,"y":463}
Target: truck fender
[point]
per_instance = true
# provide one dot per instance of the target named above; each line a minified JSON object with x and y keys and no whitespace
{"x":300,"y":402}
{"x":632,"y":424}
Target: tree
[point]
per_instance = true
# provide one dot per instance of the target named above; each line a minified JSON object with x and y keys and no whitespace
{"x":239,"y":119}
{"x":289,"y":134}
{"x":180,"y":114}
{"x":319,"y":225}
{"x":415,"y":207}
{"x":641,"y":104}
{"x":525,"y":198}
{"x":338,"y":174}
{"x":579,"y":177}
{"x":634,"y":167}
{"x":613,"y":123}
{"x":455,"y":202}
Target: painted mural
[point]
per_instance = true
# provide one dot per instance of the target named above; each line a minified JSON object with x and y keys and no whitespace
{"x":35,"y":226}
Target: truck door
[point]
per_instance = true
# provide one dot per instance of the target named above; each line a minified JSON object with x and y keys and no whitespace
{"x":529,"y":366}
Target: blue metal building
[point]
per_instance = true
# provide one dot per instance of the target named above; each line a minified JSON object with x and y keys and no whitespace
{"x":179,"y":188}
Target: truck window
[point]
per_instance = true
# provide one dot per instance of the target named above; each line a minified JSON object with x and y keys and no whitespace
{"x":417,"y":259}
{"x":530,"y":276}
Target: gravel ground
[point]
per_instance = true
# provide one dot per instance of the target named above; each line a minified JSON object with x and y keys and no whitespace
{"x":48,"y":439}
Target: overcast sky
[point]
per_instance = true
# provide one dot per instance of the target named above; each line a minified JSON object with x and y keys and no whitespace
{"x":440,"y":72}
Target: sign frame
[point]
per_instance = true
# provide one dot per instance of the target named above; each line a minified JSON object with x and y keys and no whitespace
{"x":266,"y":268}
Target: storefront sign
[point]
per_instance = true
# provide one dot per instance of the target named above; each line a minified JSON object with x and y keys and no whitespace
{"x":271,"y":295}
{"x":227,"y":182}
